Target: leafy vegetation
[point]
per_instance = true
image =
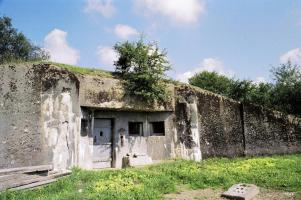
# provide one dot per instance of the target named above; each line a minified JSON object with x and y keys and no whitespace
{"x":276,"y":172}
{"x":15,"y":46}
{"x":284,"y":94}
{"x":143,"y":66}
{"x":213,"y":82}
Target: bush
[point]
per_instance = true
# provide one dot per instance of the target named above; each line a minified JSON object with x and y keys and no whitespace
{"x":213,"y":82}
{"x":143,"y":66}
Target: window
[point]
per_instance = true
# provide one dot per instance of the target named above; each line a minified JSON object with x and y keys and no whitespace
{"x":157,"y":128}
{"x":135,"y":128}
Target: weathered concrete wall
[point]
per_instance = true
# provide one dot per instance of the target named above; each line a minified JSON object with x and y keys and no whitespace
{"x":85,"y":141}
{"x":219,"y":122}
{"x":109,"y":93}
{"x":269,"y":132}
{"x":187,"y":135}
{"x":37,"y":116}
{"x":22,"y":143}
{"x":162,"y":147}
{"x":61,"y":123}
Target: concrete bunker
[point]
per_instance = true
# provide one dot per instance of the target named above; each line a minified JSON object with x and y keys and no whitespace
{"x":52,"y":116}
{"x":109,"y":137}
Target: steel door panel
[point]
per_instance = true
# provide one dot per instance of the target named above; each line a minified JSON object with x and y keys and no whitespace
{"x":102,"y":143}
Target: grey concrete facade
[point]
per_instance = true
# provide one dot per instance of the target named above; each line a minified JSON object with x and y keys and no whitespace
{"x":49,"y":115}
{"x":39,"y":116}
{"x":123,"y":144}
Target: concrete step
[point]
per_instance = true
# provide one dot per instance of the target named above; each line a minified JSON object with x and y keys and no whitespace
{"x":19,"y":180}
{"x":28,"y":169}
{"x":34,"y":185}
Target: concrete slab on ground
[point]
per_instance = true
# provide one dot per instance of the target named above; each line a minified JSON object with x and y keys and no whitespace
{"x":186,"y":193}
{"x":241,"y":191}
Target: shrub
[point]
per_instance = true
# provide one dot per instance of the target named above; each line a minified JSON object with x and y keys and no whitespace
{"x":143,"y":66}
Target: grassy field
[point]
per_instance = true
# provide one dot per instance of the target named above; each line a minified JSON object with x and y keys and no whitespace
{"x":276,"y":172}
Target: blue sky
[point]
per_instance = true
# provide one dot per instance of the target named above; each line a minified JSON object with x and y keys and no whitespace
{"x":236,"y":38}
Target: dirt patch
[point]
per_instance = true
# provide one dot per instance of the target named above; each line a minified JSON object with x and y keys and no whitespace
{"x":215,"y":194}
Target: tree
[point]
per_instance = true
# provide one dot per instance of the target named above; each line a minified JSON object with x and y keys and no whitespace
{"x":240,"y":90}
{"x":15,"y":46}
{"x":213,"y":82}
{"x":287,"y":74}
{"x":143,"y":66}
{"x":262,"y":94}
{"x":283,"y":95}
{"x":287,"y":89}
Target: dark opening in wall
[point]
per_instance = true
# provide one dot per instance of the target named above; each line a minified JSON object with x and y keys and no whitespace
{"x":157,"y":128}
{"x":84,"y":127}
{"x":136,"y":128}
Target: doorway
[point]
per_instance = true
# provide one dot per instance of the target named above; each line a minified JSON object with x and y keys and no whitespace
{"x":102,"y":143}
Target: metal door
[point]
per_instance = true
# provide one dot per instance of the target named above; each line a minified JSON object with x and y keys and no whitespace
{"x":102,"y":143}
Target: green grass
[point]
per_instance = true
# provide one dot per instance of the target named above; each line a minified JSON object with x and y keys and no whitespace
{"x":83,"y":70}
{"x":276,"y":172}
{"x":72,"y":68}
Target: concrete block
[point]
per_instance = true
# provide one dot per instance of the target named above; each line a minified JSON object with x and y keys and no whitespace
{"x":241,"y":192}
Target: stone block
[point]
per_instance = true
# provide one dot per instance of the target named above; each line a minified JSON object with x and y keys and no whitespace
{"x":241,"y":192}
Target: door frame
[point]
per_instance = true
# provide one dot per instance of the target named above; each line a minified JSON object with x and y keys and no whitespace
{"x":112,"y":135}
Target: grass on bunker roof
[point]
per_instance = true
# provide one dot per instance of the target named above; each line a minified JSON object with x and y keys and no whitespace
{"x":83,"y":70}
{"x":275,"y":172}
{"x":72,"y":68}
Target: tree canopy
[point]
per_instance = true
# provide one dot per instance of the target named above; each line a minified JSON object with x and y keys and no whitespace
{"x":283,"y":94}
{"x":15,"y":46}
{"x":213,"y":82}
{"x":143,"y":66}
{"x":286,"y":94}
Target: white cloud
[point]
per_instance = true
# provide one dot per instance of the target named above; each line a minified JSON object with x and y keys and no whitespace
{"x":56,"y":44}
{"x":293,"y":55}
{"x":106,"y":55}
{"x":125,"y":31}
{"x":208,"y":64}
{"x":259,"y":80}
{"x":177,"y":11}
{"x":104,"y":7}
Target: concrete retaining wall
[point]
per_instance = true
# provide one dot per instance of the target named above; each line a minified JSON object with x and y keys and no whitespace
{"x":219,"y":122}
{"x":39,"y":114}
{"x":229,"y":128}
{"x":20,"y":131}
{"x":269,"y":132}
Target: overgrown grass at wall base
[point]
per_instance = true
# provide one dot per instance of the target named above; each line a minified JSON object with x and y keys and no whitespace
{"x":276,"y":172}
